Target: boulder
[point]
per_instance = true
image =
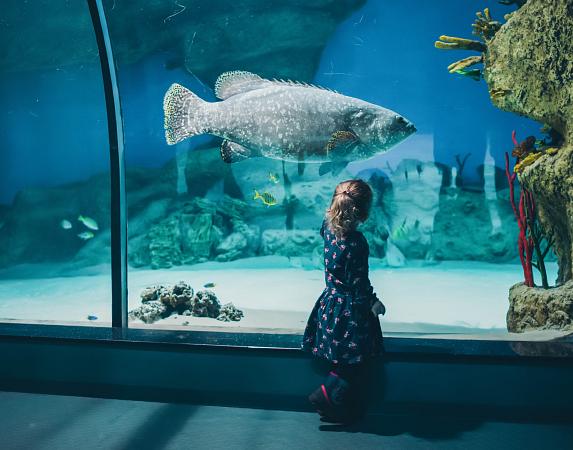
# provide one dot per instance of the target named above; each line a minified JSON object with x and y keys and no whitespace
{"x":205,"y":304}
{"x":150,"y":312}
{"x":230,"y":313}
{"x":538,"y":308}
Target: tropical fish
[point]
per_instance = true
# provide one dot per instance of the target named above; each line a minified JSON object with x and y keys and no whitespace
{"x":284,"y":120}
{"x":92,"y":317}
{"x":474,"y":74}
{"x":66,"y":224}
{"x":273,"y":177}
{"x":400,"y":232}
{"x":209,"y":285}
{"x":266,"y":197}
{"x":86,"y":235}
{"x":88,"y":222}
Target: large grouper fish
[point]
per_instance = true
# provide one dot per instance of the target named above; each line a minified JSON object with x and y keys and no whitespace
{"x":284,"y":120}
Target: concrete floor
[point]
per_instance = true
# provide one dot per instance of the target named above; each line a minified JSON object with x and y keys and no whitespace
{"x":34,"y":421}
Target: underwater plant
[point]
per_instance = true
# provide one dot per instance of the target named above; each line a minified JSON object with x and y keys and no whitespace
{"x":531,"y":234}
{"x":461,"y":162}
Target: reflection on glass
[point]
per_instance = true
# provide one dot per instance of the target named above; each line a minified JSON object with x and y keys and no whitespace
{"x":223,"y":225}
{"x":54,"y":167}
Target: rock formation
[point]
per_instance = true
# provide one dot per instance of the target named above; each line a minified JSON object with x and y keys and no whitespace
{"x":530,"y":61}
{"x":159,"y":302}
{"x":528,"y":66}
{"x":203,"y":36}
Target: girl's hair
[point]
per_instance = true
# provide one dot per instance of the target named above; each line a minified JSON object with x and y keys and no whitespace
{"x":350,"y":205}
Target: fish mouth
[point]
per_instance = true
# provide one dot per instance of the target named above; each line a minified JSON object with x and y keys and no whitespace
{"x":411,"y":128}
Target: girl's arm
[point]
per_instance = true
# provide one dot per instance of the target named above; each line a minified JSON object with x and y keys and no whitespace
{"x":357,"y":270}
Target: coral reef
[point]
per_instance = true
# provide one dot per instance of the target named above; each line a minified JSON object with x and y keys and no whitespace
{"x":230,"y":313}
{"x":537,"y":75}
{"x":205,"y":304}
{"x":538,"y":308}
{"x":159,"y":302}
{"x":150,"y":312}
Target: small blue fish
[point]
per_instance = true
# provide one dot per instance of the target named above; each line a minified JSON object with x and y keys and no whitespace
{"x":92,"y":317}
{"x":66,"y":224}
{"x":209,"y":285}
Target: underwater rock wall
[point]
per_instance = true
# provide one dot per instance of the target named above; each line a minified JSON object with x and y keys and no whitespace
{"x":412,"y":204}
{"x":413,"y":217}
{"x":529,"y":71}
{"x":463,"y":228}
{"x":205,"y":37}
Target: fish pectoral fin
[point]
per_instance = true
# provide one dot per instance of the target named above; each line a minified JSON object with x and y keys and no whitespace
{"x":335,"y":167}
{"x":342,"y":141}
{"x":231,"y":152}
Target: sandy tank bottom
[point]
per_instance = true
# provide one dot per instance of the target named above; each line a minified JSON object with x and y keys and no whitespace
{"x":463,"y":299}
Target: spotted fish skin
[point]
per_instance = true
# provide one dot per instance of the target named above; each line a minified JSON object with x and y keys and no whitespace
{"x":284,"y":120}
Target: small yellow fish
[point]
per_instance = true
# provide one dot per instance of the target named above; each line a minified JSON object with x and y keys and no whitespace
{"x":266,"y":197}
{"x":273,"y":177}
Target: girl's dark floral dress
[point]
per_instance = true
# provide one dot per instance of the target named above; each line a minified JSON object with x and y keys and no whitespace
{"x":341,"y":327}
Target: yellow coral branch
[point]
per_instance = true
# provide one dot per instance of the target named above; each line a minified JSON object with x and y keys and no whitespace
{"x":456,"y":43}
{"x":464,"y":63}
{"x":527,"y":161}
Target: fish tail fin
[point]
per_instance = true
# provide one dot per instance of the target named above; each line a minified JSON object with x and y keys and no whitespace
{"x":182,"y":119}
{"x":257,"y":195}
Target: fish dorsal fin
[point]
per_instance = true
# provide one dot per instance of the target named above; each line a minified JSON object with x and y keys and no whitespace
{"x":237,"y":82}
{"x":301,"y":84}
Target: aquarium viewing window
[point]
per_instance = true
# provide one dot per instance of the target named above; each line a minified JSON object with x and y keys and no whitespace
{"x":149,"y":182}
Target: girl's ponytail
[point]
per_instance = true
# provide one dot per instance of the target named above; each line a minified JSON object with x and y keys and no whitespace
{"x":350,"y":205}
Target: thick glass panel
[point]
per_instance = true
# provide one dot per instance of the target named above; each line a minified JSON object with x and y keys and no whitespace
{"x":54,"y":167}
{"x":204,"y":232}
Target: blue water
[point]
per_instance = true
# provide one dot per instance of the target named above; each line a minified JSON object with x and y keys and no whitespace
{"x":383,"y":53}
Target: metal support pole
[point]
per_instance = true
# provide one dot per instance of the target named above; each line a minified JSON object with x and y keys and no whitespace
{"x":117,"y":168}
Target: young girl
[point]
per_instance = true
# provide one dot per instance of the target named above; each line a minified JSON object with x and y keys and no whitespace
{"x":343,"y":326}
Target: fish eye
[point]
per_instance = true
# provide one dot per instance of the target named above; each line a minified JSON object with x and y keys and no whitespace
{"x":400,"y":120}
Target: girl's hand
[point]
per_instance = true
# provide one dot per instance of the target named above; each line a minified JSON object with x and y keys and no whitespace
{"x":378,"y":308}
